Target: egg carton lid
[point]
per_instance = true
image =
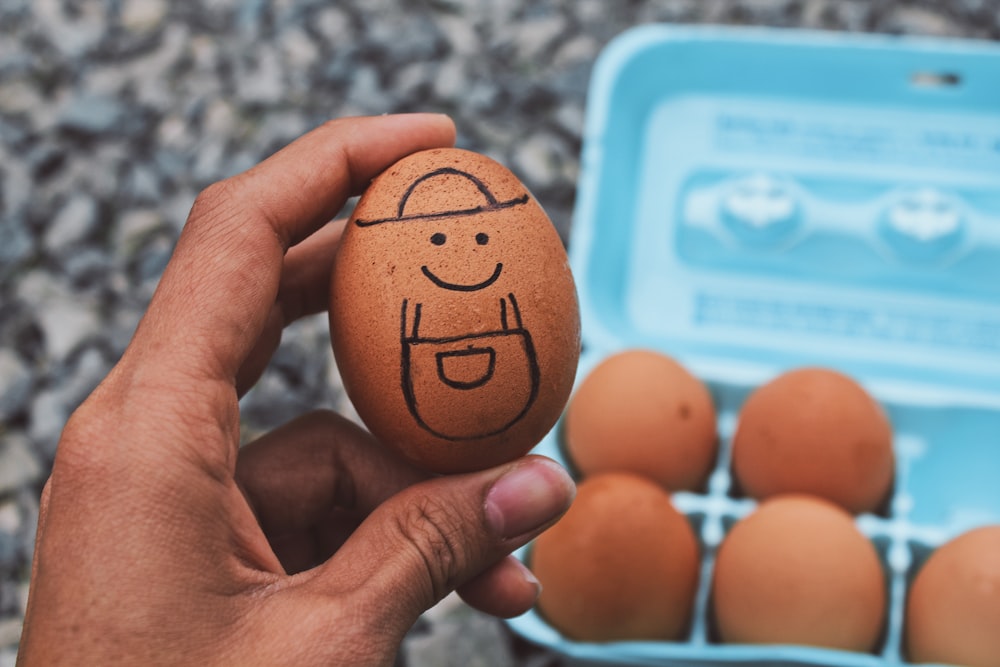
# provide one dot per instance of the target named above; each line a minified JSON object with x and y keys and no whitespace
{"x":755,"y":199}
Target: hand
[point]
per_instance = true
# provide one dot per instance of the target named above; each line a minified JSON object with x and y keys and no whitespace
{"x":161,"y":541}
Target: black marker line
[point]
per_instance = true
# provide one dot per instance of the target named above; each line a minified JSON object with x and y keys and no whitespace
{"x":468,"y":352}
{"x":402,"y":322}
{"x":416,"y":318}
{"x":517,"y":311}
{"x":485,"y":191}
{"x":452,"y":339}
{"x":503,"y":314}
{"x":492,"y":203}
{"x":411,"y":400}
{"x":457,"y":213}
{"x":463,"y":288}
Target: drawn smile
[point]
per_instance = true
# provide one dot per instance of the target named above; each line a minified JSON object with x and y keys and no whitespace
{"x":463,"y":288}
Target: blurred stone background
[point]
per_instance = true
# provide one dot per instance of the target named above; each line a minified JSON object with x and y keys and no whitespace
{"x":115,"y":113}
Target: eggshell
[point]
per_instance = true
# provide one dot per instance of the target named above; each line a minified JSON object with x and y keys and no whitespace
{"x":953,"y":606}
{"x":641,"y":411}
{"x":798,"y":571}
{"x":622,"y":563}
{"x":453,"y":312}
{"x":816,"y":431}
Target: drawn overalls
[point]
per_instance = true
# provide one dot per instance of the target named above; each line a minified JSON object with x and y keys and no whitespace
{"x":442,"y":376}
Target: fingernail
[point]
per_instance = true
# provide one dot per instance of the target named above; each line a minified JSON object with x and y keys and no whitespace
{"x":529,"y":495}
{"x":529,"y":577}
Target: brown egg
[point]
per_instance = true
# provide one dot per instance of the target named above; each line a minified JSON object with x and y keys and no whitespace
{"x":453,"y":312}
{"x":953,"y":607}
{"x":621,"y":564}
{"x":798,"y":571}
{"x":816,"y":431}
{"x":640,"y":411}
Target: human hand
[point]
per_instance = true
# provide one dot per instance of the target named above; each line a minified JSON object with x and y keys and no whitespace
{"x":161,"y":541}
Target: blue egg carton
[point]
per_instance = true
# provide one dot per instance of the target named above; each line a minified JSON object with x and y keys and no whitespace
{"x":755,"y":200}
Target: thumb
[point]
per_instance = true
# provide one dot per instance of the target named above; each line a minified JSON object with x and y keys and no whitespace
{"x":434,"y":536}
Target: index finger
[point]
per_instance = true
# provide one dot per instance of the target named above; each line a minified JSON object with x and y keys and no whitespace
{"x":217,"y":290}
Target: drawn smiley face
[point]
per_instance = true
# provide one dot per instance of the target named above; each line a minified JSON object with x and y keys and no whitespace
{"x":463,"y":258}
{"x":459,"y":246}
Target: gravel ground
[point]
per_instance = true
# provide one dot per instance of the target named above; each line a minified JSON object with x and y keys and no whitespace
{"x":115,"y":113}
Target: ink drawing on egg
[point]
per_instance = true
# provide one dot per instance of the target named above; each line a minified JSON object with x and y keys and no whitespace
{"x":453,"y":312}
{"x":442,"y":373}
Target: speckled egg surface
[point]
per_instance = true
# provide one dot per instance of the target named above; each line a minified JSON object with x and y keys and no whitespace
{"x":797,"y":570}
{"x":453,"y":312}
{"x":621,"y":564}
{"x":818,"y":431}
{"x":641,"y":411}
{"x":953,"y":606}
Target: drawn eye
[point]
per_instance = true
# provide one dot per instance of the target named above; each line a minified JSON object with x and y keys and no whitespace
{"x":438,"y":239}
{"x":482,"y":239}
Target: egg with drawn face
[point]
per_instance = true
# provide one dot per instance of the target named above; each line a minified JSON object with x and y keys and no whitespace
{"x":453,"y":312}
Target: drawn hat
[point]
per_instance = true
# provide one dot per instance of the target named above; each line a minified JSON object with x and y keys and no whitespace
{"x":423,"y":200}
